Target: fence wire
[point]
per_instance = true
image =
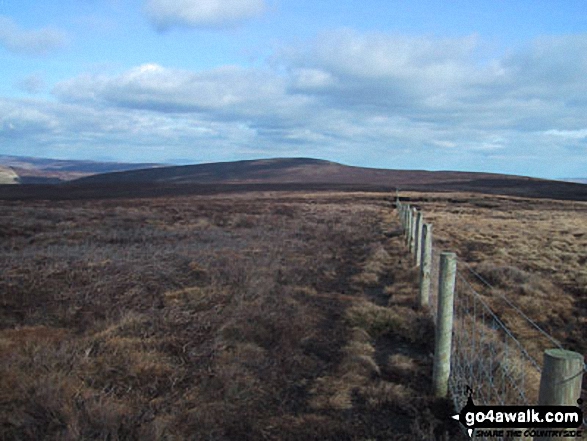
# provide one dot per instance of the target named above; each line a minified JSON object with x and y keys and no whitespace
{"x":487,"y":358}
{"x":487,"y":355}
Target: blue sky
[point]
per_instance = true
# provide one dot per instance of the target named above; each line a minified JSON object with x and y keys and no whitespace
{"x":496,"y":86}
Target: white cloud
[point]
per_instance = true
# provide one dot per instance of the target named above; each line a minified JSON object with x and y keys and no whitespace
{"x":202,"y":13}
{"x":35,"y":42}
{"x":450,"y":81}
{"x":440,"y":83}
{"x":377,"y":55}
{"x":312,"y":79}
{"x":394,"y":101}
{"x":17,"y":119}
{"x":570,"y":134}
{"x":228,"y":92}
{"x":445,"y":144}
{"x":394,"y":74}
{"x":36,"y":127}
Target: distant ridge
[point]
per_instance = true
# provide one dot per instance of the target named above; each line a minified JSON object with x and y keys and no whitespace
{"x":280,"y":170}
{"x":284,"y":171}
{"x":289,"y":174}
{"x":32,"y":170}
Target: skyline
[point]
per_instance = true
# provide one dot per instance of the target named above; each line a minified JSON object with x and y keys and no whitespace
{"x":471,"y":86}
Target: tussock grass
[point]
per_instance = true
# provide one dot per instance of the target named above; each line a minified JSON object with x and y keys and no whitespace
{"x":374,"y":267}
{"x":533,"y":253}
{"x":244,"y":317}
{"x":532,"y":250}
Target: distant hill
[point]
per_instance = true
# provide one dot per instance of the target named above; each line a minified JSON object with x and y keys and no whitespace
{"x":33,"y":170}
{"x":285,"y":171}
{"x":290,"y":174}
{"x":8,"y":176}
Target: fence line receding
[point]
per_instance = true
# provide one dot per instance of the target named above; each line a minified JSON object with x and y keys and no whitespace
{"x":485,"y":354}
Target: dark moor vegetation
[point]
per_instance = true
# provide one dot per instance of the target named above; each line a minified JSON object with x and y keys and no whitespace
{"x":256,"y":316}
{"x":245,"y":317}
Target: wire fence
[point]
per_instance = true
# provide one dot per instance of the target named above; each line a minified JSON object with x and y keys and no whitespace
{"x":488,"y":358}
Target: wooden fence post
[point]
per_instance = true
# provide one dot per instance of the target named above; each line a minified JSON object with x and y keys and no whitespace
{"x":408,"y":225}
{"x":426,"y":263}
{"x":418,"y":238}
{"x":560,"y":381}
{"x":444,"y":323}
{"x":413,"y":231}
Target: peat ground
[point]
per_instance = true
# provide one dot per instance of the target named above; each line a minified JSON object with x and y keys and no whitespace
{"x":254,"y":316}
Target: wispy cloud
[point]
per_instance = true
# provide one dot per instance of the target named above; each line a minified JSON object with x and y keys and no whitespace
{"x":31,"y":83}
{"x":29,"y":42}
{"x":166,"y":14}
{"x":570,"y":134}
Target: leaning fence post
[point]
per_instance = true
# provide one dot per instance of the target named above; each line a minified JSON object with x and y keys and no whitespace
{"x":444,"y":321}
{"x":426,"y":263}
{"x":418,"y":239}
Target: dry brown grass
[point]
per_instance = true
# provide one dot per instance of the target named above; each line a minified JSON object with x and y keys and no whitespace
{"x":246,"y":317}
{"x":533,"y":252}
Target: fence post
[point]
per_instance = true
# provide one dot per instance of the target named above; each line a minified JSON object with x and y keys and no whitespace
{"x":444,"y":322}
{"x":560,"y":381}
{"x":426,"y":263}
{"x":408,"y":225}
{"x":418,"y":235}
{"x":413,"y":231}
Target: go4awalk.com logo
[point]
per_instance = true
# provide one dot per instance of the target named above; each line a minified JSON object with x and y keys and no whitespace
{"x":518,"y":421}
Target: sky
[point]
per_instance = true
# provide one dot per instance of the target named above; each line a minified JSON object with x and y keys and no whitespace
{"x":471,"y":85}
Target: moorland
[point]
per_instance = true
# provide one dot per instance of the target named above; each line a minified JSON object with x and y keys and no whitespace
{"x":254,"y":313}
